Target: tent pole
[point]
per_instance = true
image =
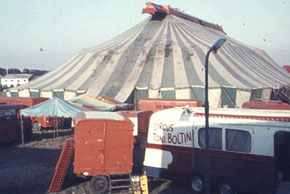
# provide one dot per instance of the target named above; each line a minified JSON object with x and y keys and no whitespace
{"x":62,"y":122}
{"x":55,"y":125}
{"x":54,"y":131}
{"x":22,"y":131}
{"x":56,"y":120}
{"x":135,"y":99}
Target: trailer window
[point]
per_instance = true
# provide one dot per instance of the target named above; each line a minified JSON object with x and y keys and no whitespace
{"x":215,"y":138}
{"x":237,"y":140}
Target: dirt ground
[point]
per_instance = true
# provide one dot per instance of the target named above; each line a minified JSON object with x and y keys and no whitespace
{"x":28,"y":169}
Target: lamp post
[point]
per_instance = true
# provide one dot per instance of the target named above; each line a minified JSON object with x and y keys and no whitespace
{"x":214,"y":48}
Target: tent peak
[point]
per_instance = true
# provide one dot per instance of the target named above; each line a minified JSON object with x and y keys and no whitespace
{"x":160,"y":11}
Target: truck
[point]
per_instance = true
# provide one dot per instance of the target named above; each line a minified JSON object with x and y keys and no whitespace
{"x":37,"y":123}
{"x":45,"y":122}
{"x":249,"y":149}
{"x":10,"y":124}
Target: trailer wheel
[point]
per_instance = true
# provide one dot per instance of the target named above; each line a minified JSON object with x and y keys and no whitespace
{"x":36,"y":126}
{"x":225,"y":187}
{"x":197,"y":184}
{"x":99,"y":184}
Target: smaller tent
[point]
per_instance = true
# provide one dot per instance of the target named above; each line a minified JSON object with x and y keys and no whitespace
{"x":102,"y":103}
{"x":87,"y":100}
{"x":54,"y":107}
{"x":119,"y":105}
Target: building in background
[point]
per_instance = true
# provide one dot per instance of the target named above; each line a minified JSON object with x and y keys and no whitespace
{"x":13,"y":80}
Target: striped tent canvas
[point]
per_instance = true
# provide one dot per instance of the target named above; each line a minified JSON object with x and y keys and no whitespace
{"x":163,"y":57}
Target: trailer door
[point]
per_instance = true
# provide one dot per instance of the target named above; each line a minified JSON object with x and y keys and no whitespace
{"x":89,"y":147}
{"x":118,"y":147}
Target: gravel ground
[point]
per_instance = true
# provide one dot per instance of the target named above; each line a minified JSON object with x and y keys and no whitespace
{"x":28,"y":169}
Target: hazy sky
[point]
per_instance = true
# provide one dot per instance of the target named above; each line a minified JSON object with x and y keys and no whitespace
{"x":43,"y":34}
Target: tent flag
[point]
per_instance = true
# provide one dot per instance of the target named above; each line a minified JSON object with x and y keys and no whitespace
{"x":54,"y":107}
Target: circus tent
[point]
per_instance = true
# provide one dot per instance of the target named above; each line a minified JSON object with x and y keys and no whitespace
{"x":163,"y":57}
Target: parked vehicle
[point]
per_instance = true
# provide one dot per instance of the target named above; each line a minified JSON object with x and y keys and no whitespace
{"x":108,"y":141}
{"x":38,"y":123}
{"x":248,"y":148}
{"x":156,"y":104}
{"x":43,"y":122}
{"x":10,"y":124}
{"x":103,"y":151}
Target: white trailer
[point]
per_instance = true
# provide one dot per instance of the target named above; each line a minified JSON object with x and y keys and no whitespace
{"x":248,"y":148}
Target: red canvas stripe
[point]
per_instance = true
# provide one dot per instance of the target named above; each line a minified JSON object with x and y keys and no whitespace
{"x":268,"y":118}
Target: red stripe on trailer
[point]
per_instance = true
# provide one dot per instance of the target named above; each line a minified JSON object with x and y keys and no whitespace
{"x":169,"y":147}
{"x":218,"y":153}
{"x":251,"y":117}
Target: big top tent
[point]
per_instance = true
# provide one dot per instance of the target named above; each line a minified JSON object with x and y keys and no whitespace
{"x":163,"y":57}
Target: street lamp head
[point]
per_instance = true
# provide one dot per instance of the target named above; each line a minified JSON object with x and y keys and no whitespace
{"x":218,"y":44}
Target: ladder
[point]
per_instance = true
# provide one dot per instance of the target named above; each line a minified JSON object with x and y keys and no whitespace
{"x":62,"y":165}
{"x":137,"y":184}
{"x":119,"y":182}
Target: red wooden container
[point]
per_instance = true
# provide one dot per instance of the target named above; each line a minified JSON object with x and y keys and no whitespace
{"x":22,"y":100}
{"x":103,"y":144}
{"x":156,"y":104}
{"x":272,"y":105}
{"x":140,"y":120}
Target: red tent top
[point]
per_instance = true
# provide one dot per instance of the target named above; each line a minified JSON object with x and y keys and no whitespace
{"x":287,"y":68}
{"x":152,"y":8}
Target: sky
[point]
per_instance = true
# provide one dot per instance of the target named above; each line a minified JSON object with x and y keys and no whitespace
{"x":43,"y":34}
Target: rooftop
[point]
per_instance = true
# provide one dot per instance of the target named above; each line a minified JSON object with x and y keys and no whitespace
{"x":17,"y":76}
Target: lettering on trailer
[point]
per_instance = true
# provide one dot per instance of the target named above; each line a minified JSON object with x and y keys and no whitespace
{"x":168,"y":134}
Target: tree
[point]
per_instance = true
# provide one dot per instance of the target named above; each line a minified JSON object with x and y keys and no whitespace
{"x":3,"y":71}
{"x":14,"y":71}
